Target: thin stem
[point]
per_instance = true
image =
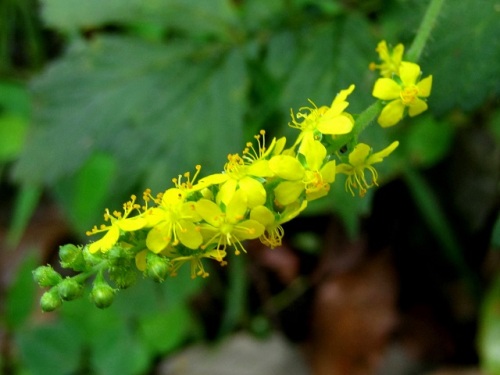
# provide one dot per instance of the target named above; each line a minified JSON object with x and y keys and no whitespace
{"x":424,"y":30}
{"x":366,"y":117}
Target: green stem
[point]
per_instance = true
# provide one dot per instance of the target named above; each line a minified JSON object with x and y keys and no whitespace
{"x":366,"y":117}
{"x":424,"y":31}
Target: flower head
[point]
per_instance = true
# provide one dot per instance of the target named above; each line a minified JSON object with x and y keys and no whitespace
{"x":119,"y":223}
{"x":229,"y":227}
{"x":391,"y":59}
{"x":403,"y":92}
{"x":173,"y":221}
{"x":362,"y":158}
{"x":324,"y":120}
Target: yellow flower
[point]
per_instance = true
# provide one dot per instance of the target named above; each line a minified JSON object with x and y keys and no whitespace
{"x":314,"y":179}
{"x":324,"y":120}
{"x":391,"y":60}
{"x":173,"y":221}
{"x":406,"y":93}
{"x":362,"y":158}
{"x":119,"y":223}
{"x":227,"y":228}
{"x":196,"y":264}
{"x":274,"y":232}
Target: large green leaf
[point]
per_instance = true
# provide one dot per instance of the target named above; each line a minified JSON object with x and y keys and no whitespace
{"x":215,"y":17}
{"x":463,"y":55}
{"x":152,"y":106}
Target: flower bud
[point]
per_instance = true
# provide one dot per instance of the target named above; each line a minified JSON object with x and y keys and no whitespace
{"x":157,"y":267}
{"x":69,"y":289}
{"x":102,"y":295}
{"x":50,"y":301}
{"x":45,"y":276}
{"x":90,"y":258}
{"x":72,"y":257}
{"x":123,"y":277}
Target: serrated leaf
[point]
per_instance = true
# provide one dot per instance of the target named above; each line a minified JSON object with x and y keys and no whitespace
{"x":21,"y":293}
{"x":50,"y":349}
{"x":489,"y":331}
{"x":198,"y":18}
{"x":164,"y":331}
{"x":463,"y":62}
{"x":151,"y":106}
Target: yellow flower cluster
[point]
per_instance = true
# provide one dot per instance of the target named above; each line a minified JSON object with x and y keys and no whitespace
{"x":400,"y":86}
{"x":267,"y":184}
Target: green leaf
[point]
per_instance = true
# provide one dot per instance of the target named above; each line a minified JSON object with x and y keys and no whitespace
{"x":489,"y":330}
{"x":152,"y":107}
{"x":21,"y":293}
{"x":495,"y":235}
{"x":164,"y":331}
{"x":13,"y":130}
{"x":198,"y":18}
{"x":428,"y":141}
{"x":50,"y":349}
{"x":14,"y":98}
{"x":84,"y":195}
{"x":464,"y":61}
{"x":25,"y":204}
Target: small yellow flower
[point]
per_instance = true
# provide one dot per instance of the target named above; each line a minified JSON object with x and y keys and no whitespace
{"x":391,"y":60}
{"x":314,"y":179}
{"x":119,"y":223}
{"x":173,"y":221}
{"x":324,"y":120}
{"x":362,"y":158}
{"x":227,"y":228}
{"x":406,"y":93}
{"x":272,"y":221}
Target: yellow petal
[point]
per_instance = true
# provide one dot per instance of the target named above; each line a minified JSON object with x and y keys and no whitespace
{"x":358,"y":156}
{"x":226,"y":191}
{"x":314,"y":152}
{"x":288,"y":192}
{"x":254,"y":191}
{"x":213,"y":179}
{"x":286,"y":167}
{"x":248,"y":229}
{"x":158,"y":238}
{"x":339,"y":124}
{"x":391,"y":114}
{"x":172,"y":197}
{"x":140,"y":260}
{"x":237,"y":207}
{"x":260,"y":168}
{"x":409,"y":73}
{"x":417,"y":107}
{"x":106,"y":242}
{"x":424,"y":87}
{"x":339,"y":103}
{"x":377,"y":157}
{"x":386,"y":89}
{"x":209,"y":211}
{"x":189,"y":236}
{"x":263,"y":215}
{"x":328,"y":171}
{"x":131,"y":224}
{"x":344,"y":168}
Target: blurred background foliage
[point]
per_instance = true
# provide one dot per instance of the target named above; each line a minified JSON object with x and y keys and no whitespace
{"x":101,"y":99}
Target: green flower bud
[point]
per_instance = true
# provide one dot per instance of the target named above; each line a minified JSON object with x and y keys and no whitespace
{"x":123,"y":277}
{"x":72,"y":257}
{"x":157,"y":267}
{"x":69,"y":289}
{"x":50,"y":301}
{"x":102,"y":295}
{"x":91,"y":259}
{"x":45,"y":276}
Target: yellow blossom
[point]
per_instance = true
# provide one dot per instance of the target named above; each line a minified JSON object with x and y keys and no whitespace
{"x":391,"y":59}
{"x":405,"y":93}
{"x":119,"y":223}
{"x":173,"y":221}
{"x":362,"y":158}
{"x":314,"y":179}
{"x":229,"y":227}
{"x":274,"y":232}
{"x":324,"y":120}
